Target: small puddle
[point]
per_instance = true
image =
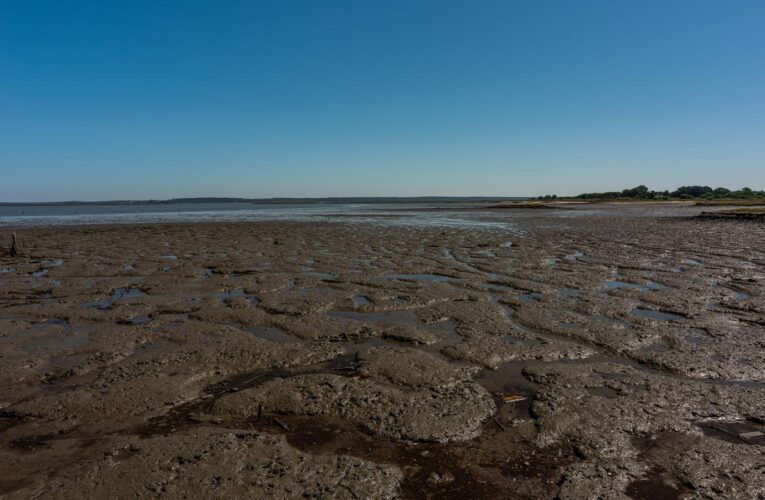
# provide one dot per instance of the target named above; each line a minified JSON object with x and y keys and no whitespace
{"x":226,"y":295}
{"x":513,"y":340}
{"x":603,"y":392}
{"x":506,"y":310}
{"x":320,"y":275}
{"x":497,"y":287}
{"x":118,"y":295}
{"x":530,"y":297}
{"x":140,"y":320}
{"x":360,"y":300}
{"x":574,"y":256}
{"x":698,"y":336}
{"x":615,"y":285}
{"x":438,"y":278}
{"x":569,"y":294}
{"x":272,"y":334}
{"x":734,"y":432}
{"x":508,"y":380}
{"x":127,"y":293}
{"x":98,"y":304}
{"x":446,"y":331}
{"x":656,"y":315}
{"x":382,"y":318}
{"x":40,"y":273}
{"x":170,"y":257}
{"x":655,"y":487}
{"x":607,"y":319}
{"x":742,"y":296}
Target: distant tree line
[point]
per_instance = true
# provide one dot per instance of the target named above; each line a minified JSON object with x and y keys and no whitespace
{"x":682,"y":193}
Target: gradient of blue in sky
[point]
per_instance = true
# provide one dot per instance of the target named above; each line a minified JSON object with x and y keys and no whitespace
{"x":158,"y":99}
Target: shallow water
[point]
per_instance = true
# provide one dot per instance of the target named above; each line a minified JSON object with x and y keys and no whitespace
{"x":439,"y":278}
{"x":384,"y":318}
{"x":657,"y":315}
{"x":397,"y":214}
{"x":272,"y":334}
{"x":616,"y":284}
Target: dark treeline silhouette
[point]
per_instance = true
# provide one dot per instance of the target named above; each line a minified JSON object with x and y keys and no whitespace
{"x":682,"y":193}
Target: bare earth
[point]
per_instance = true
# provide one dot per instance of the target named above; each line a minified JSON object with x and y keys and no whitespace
{"x":589,"y":356}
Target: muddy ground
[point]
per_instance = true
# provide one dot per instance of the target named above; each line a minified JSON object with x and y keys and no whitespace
{"x":609,"y":355}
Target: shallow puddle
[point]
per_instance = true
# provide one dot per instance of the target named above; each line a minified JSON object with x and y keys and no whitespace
{"x":607,"y":319}
{"x":237,"y":293}
{"x":360,"y":300}
{"x":604,"y":392}
{"x":140,"y":320}
{"x":98,"y":304}
{"x":497,"y":287}
{"x":381,"y":318}
{"x":530,"y":297}
{"x":656,"y":315}
{"x":508,"y":380}
{"x":127,"y":293}
{"x":513,"y":340}
{"x":320,"y":275}
{"x":616,"y":284}
{"x":446,"y":331}
{"x":654,"y":487}
{"x":698,"y":336}
{"x":735,"y":432}
{"x":272,"y":334}
{"x":574,"y":256}
{"x":438,"y":278}
{"x":119,"y":294}
{"x":569,"y":294}
{"x":505,"y":309}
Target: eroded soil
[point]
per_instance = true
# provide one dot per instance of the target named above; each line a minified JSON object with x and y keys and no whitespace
{"x":575,"y":356}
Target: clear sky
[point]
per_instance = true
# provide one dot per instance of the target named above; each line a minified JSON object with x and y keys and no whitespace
{"x":158,"y":99}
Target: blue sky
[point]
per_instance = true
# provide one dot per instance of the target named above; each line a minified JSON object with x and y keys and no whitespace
{"x":159,"y":99}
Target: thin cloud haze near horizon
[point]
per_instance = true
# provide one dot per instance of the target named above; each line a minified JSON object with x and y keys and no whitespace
{"x":138,"y":100}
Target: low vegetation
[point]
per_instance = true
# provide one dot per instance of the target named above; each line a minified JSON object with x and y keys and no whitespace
{"x":682,"y":193}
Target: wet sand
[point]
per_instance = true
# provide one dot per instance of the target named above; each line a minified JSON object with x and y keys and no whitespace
{"x":618,"y":354}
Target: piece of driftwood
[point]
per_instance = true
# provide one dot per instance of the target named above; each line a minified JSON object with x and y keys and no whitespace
{"x":499,"y":424}
{"x":14,"y":245}
{"x":281,"y":424}
{"x":513,"y":398}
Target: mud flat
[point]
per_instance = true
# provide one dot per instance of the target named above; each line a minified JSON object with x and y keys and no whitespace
{"x":617,"y":354}
{"x":753,"y":214}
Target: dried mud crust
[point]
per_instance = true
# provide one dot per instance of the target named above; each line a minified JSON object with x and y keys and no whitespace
{"x":577,"y":355}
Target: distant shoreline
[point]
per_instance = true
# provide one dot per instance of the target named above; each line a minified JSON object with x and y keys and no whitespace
{"x":278,"y":201}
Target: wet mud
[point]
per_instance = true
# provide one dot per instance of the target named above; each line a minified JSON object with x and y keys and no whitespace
{"x":577,"y":355}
